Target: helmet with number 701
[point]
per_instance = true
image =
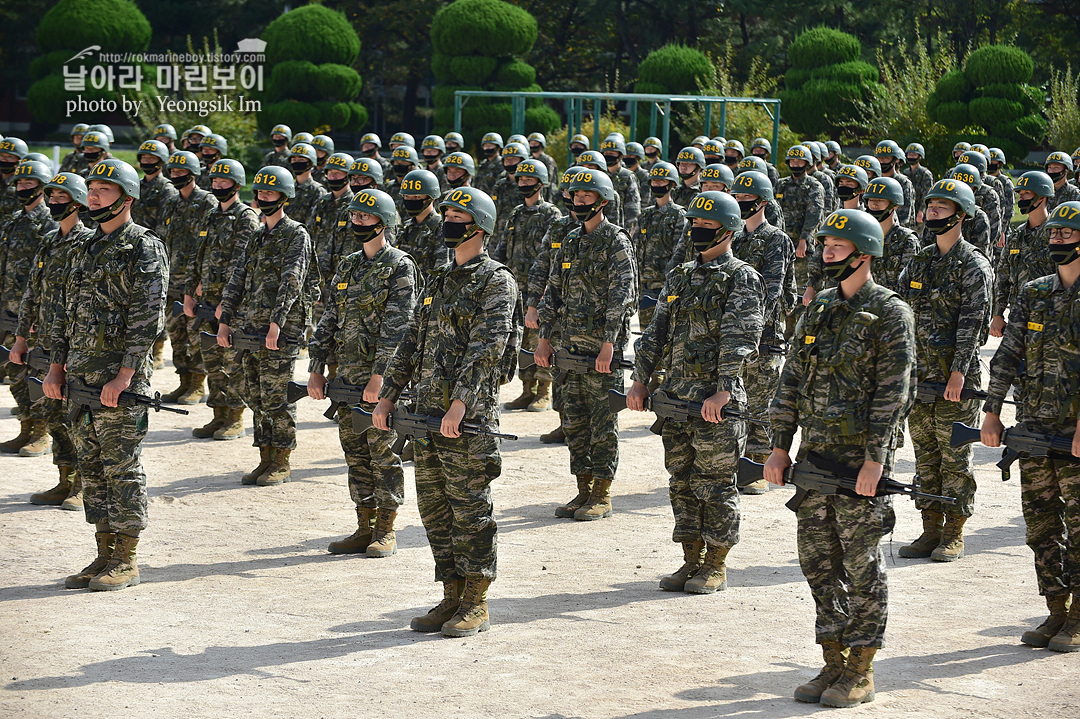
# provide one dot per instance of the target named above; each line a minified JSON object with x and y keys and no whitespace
{"x":858,"y":227}
{"x":118,"y":173}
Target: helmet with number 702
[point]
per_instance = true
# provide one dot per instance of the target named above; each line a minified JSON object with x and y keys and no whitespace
{"x":476,"y":203}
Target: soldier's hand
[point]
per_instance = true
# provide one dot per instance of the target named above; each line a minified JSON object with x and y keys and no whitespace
{"x":372,"y":389}
{"x":635,"y":398}
{"x":217,"y":312}
{"x":997,"y":326}
{"x":800,"y":249}
{"x":603,"y":360}
{"x":955,"y":386}
{"x":198,"y":290}
{"x":532,"y":318}
{"x":869,"y":474}
{"x":776,"y":465}
{"x":380,"y":416}
{"x":272,"y":336}
{"x":223,"y":333}
{"x":990,"y":433}
{"x":451,"y":421}
{"x":316,"y":386}
{"x":712,"y":409}
{"x":18,"y":350}
{"x":1076,"y":440}
{"x":808,"y":296}
{"x":542,"y":355}
{"x":110,"y":393}
{"x":189,"y":305}
{"x":919,"y":217}
{"x":1001,"y":241}
{"x":54,"y":382}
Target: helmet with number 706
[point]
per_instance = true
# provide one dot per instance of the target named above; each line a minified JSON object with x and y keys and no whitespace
{"x":718,"y":206}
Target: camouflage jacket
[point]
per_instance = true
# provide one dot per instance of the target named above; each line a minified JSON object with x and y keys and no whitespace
{"x":553,"y":174}
{"x":367,"y":312}
{"x":771,"y":252}
{"x":707,"y":324}
{"x":662,"y":228}
{"x":523,"y":239}
{"x":987,"y":200}
{"x":227,"y":235}
{"x":848,"y":379}
{"x":9,"y":201}
{"x":950,"y":296}
{"x":905,"y":213}
{"x":976,"y":232}
{"x":540,"y":271}
{"x":626,"y":187}
{"x":1026,"y":257}
{"x":642,"y":176}
{"x":20,"y":241}
{"x":183,"y":229}
{"x":803,"y":203}
{"x":53,"y":261}
{"x":111,"y":308}
{"x":488,"y":173}
{"x":921,"y":182}
{"x":457,"y":343}
{"x":1065,"y":193}
{"x":506,"y":197}
{"x":331,"y":233}
{"x":1007,"y":194}
{"x":683,"y":194}
{"x":1040,"y":355}
{"x":302,"y":208}
{"x":424,"y":242}
{"x":775,"y":215}
{"x":270,"y":280}
{"x":592,"y":289}
{"x":275,"y":158}
{"x":154,"y":195}
{"x":74,"y":162}
{"x":828,"y":186}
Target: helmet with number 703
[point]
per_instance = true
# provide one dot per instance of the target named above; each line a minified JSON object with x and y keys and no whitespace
{"x":858,"y":227}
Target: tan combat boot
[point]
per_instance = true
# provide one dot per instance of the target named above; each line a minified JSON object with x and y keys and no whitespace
{"x":233,"y":427}
{"x":442,"y":612}
{"x":555,"y":436}
{"x":185,"y":383}
{"x":1068,"y":639}
{"x":542,"y":401}
{"x":930,"y":538}
{"x":712,"y":577}
{"x":856,"y":685}
{"x":358,"y":541}
{"x":74,"y":501}
{"x":207,"y":430}
{"x":196,"y":391}
{"x":121,"y":572}
{"x":1041,"y":635}
{"x":159,"y":354}
{"x":264,"y":464}
{"x":279,"y":471}
{"x":693,"y":555}
{"x":12,"y":446}
{"x":55,"y":497}
{"x":836,"y":655}
{"x":106,"y":541}
{"x":40,"y":441}
{"x":598,"y":505}
{"x":384,"y":541}
{"x":584,"y":489}
{"x":952,"y":540}
{"x":472,"y":615}
{"x":528,"y":394}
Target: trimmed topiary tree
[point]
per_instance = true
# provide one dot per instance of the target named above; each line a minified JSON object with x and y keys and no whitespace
{"x":312,"y":85}
{"x":671,"y":70}
{"x":68,"y":27}
{"x":826,"y":83}
{"x":478,"y":45}
{"x":992,"y":92}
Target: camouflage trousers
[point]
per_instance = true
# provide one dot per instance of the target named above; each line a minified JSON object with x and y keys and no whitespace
{"x":702,"y":458}
{"x":839,"y":540}
{"x":185,"y":342}
{"x":17,"y":374}
{"x":224,"y":374}
{"x":942,"y":469}
{"x":1050,"y":497}
{"x":266,"y":378}
{"x":592,"y":430}
{"x":453,"y":494}
{"x":54,"y":413}
{"x":644,"y":316}
{"x":761,"y":377}
{"x":376,"y":479}
{"x":108,"y":443}
{"x":529,"y":340}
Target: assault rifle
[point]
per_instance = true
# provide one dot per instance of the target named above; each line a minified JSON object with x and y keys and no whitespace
{"x":569,"y":363}
{"x":668,"y":408}
{"x":35,"y":359}
{"x":338,"y":391}
{"x":1018,"y":442}
{"x":204,"y":312}
{"x":932,"y":391}
{"x":246,"y":341}
{"x":837,"y":479}
{"x":82,"y":396}
{"x":418,"y":426}
{"x":9,"y":323}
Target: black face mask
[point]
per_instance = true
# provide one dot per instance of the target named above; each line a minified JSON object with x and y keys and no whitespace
{"x":1055,"y":176}
{"x":686,"y":175}
{"x":630,"y":162}
{"x":842,"y":269}
{"x":270,"y":207}
{"x":886,"y":168}
{"x":536,"y":148}
{"x":747,"y":208}
{"x":337,"y":184}
{"x":28,"y":196}
{"x":490,"y":152}
{"x":401,"y":170}
{"x":224,"y":193}
{"x":105,"y":214}
{"x":454,"y":233}
{"x":415,"y":207}
{"x":611,"y":160}
{"x":846,"y":193}
{"x":713,"y":159}
{"x":431,"y":159}
{"x":797,"y":171}
{"x":529,"y":190}
{"x":731,"y":161}
{"x":652,"y":155}
{"x":941,"y":226}
{"x":92,"y":156}
{"x":451,"y":148}
{"x":277,"y":142}
{"x":150,"y":168}
{"x":575,"y":151}
{"x":356,"y":186}
{"x":366,"y":233}
{"x":299,"y":168}
{"x":1065,"y":253}
{"x":993,"y":168}
{"x":913,"y":161}
{"x":60,"y":210}
{"x":760,"y":155}
{"x":702,"y":238}
{"x":1026,"y":206}
{"x":510,"y":169}
{"x":584,"y":213}
{"x":209,"y":159}
{"x":660,"y":190}
{"x":8,"y":167}
{"x":458,"y":182}
{"x":880,"y":215}
{"x":372,"y":152}
{"x":182,"y":181}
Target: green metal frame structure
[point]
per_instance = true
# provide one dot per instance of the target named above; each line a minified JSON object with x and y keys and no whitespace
{"x":659,"y":110}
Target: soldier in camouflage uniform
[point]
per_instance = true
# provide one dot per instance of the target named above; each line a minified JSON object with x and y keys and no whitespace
{"x":538,"y":152}
{"x":1039,"y":356}
{"x":505,"y":193}
{"x":108,"y":312}
{"x":770,"y":251}
{"x":433,"y":149}
{"x":592,"y":159}
{"x":403,"y":160}
{"x":591,"y":294}
{"x":22,"y":237}
{"x":12,"y":151}
{"x":921,"y":179}
{"x":518,"y":247}
{"x":654,"y":148}
{"x":625,"y":182}
{"x":184,"y":215}
{"x":67,"y":194}
{"x":324,"y":148}
{"x":971,"y":169}
{"x":761,"y":148}
{"x":634,"y":160}
{"x":229,"y":228}
{"x":707,"y":326}
{"x":421,"y":236}
{"x":1058,"y":165}
{"x":372,"y":298}
{"x":96,"y":146}
{"x":663,"y":228}
{"x":825,"y":179}
{"x":803,"y":201}
{"x":949,"y":286}
{"x":833,"y":156}
{"x":491,"y":168}
{"x":1005,"y":187}
{"x":460,"y":168}
{"x":977,"y":226}
{"x":891,"y":157}
{"x":460,"y":345}
{"x":753,"y":163}
{"x":269,"y":291}
{"x":74,"y":160}
{"x":959,"y":149}
{"x":883,"y":197}
{"x":329,"y":229}
{"x":211,"y":149}
{"x":193,"y":137}
{"x":166,"y":135}
{"x":302,"y":206}
{"x":1026,"y":255}
{"x":851,"y":183}
{"x":155,"y":190}
{"x":689,"y":163}
{"x":854,"y":350}
{"x":370,"y":144}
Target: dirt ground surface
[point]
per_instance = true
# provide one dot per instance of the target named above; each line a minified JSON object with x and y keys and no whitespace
{"x":242,"y":612}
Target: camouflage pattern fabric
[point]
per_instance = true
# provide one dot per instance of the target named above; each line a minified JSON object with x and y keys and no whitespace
{"x":74,"y":162}
{"x":1007,"y":194}
{"x":540,"y":271}
{"x":662,"y":229}
{"x":683,"y":193}
{"x":9,"y":201}
{"x":905,"y":213}
{"x":1048,"y":495}
{"x":275,"y":157}
{"x":626,"y":187}
{"x":643,"y":183}
{"x":1025,"y":257}
{"x":921,"y":181}
{"x":1065,"y":193}
{"x":828,"y":186}
{"x":154,"y":195}
{"x":987,"y":200}
{"x":803,"y":205}
{"x":506,"y":197}
{"x":488,"y":173}
{"x":423,"y":241}
{"x":331,"y":234}
{"x":302,"y":208}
